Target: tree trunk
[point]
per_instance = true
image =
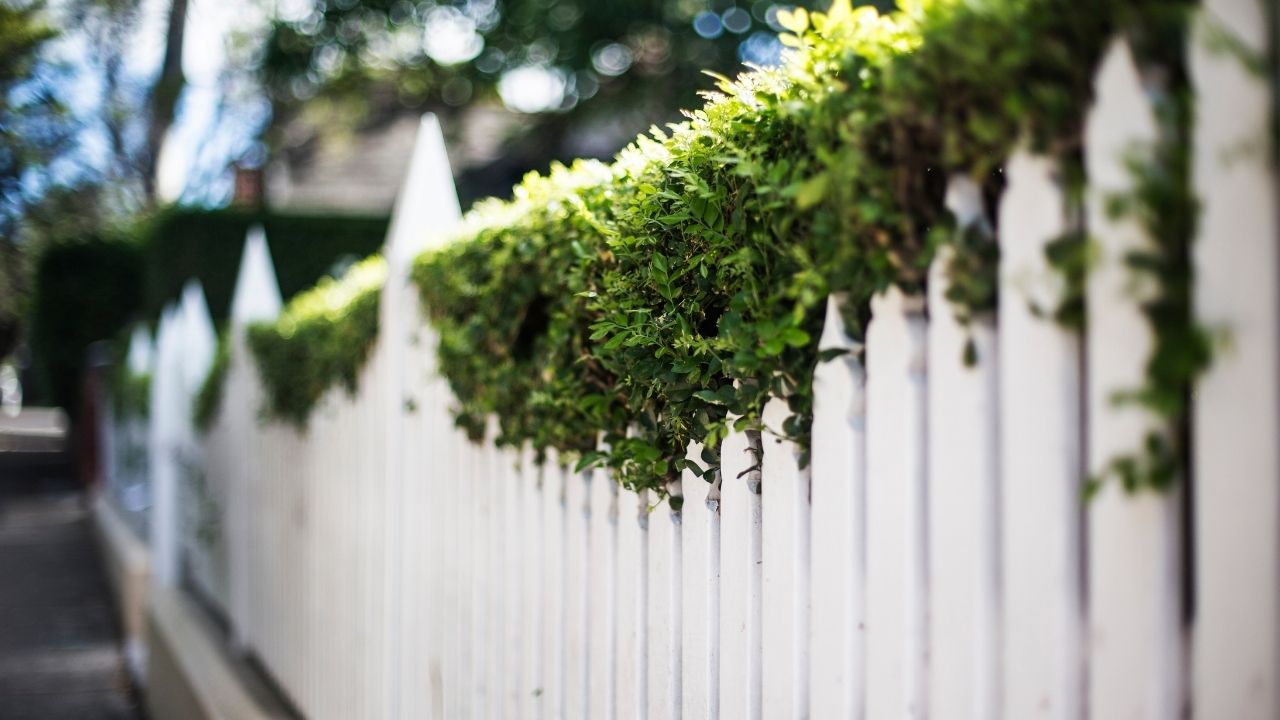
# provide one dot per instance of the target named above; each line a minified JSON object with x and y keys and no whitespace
{"x":164,"y":96}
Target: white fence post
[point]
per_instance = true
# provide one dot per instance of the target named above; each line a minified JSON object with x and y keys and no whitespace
{"x":741,"y":577}
{"x":1135,"y":634}
{"x":785,"y":564}
{"x":256,"y":298}
{"x":1236,"y":661}
{"x":603,"y":559}
{"x":664,"y":617}
{"x":165,"y":389}
{"x":963,"y":491}
{"x":897,"y":637}
{"x":836,"y":634}
{"x":632,"y":588}
{"x":186,"y":351}
{"x":1041,"y":459}
{"x":426,"y":211}
{"x":700,"y":587}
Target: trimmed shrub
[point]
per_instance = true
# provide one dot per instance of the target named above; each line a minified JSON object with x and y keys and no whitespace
{"x":665,"y":298}
{"x":183,"y":243}
{"x":85,"y":290}
{"x":321,"y":339}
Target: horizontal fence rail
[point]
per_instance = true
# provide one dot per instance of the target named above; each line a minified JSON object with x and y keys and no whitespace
{"x":936,"y":558}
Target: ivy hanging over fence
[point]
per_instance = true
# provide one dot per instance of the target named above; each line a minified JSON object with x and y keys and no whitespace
{"x":321,"y":339}
{"x":663,"y":299}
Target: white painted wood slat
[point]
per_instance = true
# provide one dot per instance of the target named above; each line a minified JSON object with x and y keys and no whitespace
{"x":1135,"y":635}
{"x":663,"y":621}
{"x":740,"y":573}
{"x":963,"y":492}
{"x":700,"y":586}
{"x":896,"y":550}
{"x":1236,"y":661}
{"x":838,"y":600}
{"x":632,"y":691}
{"x":603,"y":545}
{"x":1040,"y":456}
{"x":785,"y":568}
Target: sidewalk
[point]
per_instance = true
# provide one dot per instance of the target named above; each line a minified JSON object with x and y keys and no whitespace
{"x":60,"y":655}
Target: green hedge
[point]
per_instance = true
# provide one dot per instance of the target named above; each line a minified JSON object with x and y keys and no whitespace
{"x":183,"y":243}
{"x":321,"y":339}
{"x":85,"y":290}
{"x":208,"y":401}
{"x":666,"y":297}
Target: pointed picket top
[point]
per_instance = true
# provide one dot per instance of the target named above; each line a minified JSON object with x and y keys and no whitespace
{"x":198,"y":337}
{"x":141,"y":351}
{"x":257,"y":293}
{"x":164,"y":370}
{"x":964,"y":200}
{"x":1128,"y":122}
{"x":427,"y":208}
{"x":834,"y":334}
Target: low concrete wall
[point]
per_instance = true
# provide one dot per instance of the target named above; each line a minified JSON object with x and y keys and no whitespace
{"x":128,"y":570}
{"x":190,"y":675}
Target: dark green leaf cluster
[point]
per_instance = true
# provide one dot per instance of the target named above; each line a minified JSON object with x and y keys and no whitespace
{"x":180,"y":244}
{"x":208,"y":401}
{"x":321,"y":339}
{"x":86,"y":289}
{"x":666,"y":298}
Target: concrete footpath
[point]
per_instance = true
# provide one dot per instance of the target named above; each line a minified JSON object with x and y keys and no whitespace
{"x":60,"y":651}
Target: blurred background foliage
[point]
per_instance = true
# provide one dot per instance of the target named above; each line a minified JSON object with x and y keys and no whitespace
{"x":31,"y":132}
{"x":185,"y":243}
{"x":92,"y":287}
{"x":584,"y":76}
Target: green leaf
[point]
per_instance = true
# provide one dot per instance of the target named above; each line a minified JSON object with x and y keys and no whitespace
{"x":812,"y":191}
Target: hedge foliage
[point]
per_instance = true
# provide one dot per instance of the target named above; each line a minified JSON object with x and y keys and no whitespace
{"x":85,"y":290}
{"x":321,"y":339}
{"x":208,"y":401}
{"x":184,"y":243}
{"x":664,"y":298}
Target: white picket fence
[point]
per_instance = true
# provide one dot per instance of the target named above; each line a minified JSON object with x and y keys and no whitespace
{"x":936,"y":559}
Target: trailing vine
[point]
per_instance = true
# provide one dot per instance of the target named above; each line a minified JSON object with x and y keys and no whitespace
{"x":321,"y":339}
{"x":1162,"y":201}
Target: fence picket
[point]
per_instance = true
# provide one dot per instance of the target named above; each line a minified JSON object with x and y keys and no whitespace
{"x":577,"y":604}
{"x":836,"y":635}
{"x":1040,"y":456}
{"x":740,"y":573}
{"x":531,"y":580}
{"x":963,"y":492}
{"x":603,"y":546}
{"x":631,"y":663}
{"x":1236,"y":661}
{"x":785,"y":544}
{"x":1135,"y":638}
{"x":663,"y":622}
{"x":896,"y":562}
{"x":700,"y":586}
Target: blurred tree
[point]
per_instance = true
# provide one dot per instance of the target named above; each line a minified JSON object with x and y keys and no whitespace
{"x":136,"y":106}
{"x":581,"y":69}
{"x":33,"y":130}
